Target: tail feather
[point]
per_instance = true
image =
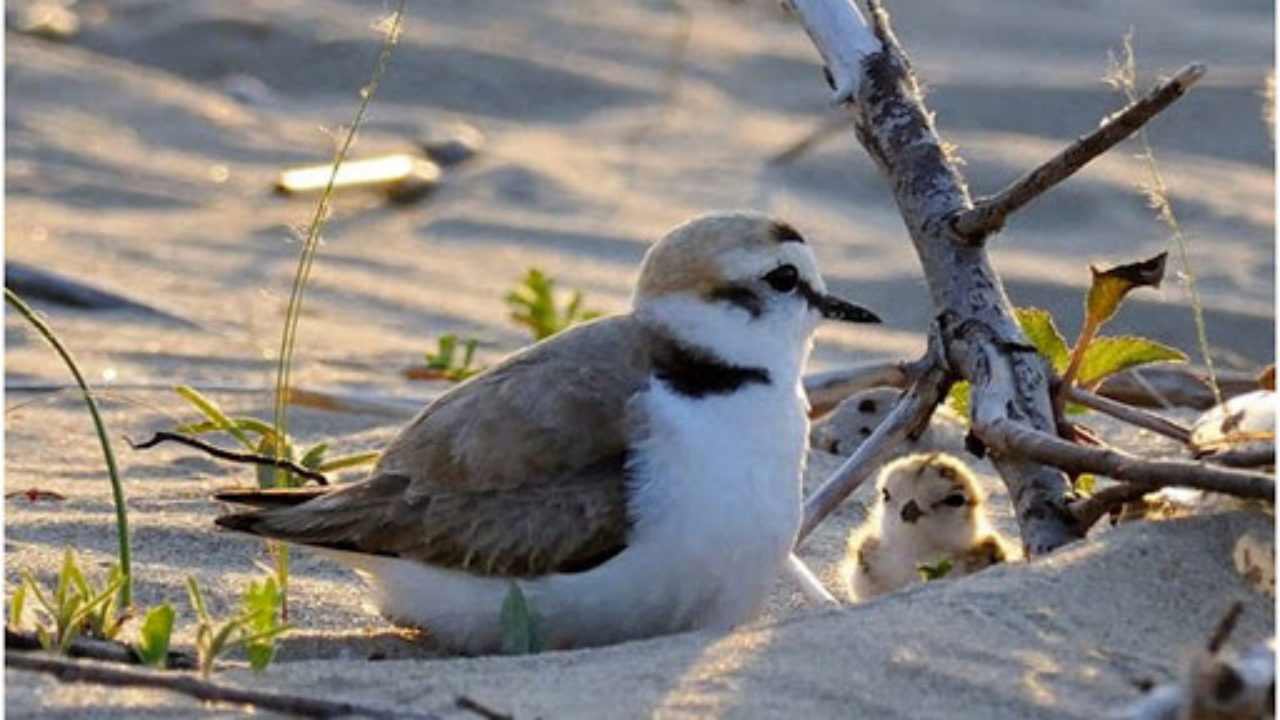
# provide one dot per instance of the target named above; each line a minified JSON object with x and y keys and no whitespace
{"x":270,"y":498}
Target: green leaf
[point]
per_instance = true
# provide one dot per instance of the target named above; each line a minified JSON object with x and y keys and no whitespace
{"x":518,"y":629}
{"x":154,"y":634}
{"x":1086,"y":483}
{"x":314,"y":457}
{"x":1038,"y":326}
{"x":269,"y":476}
{"x":211,"y":410}
{"x":1109,"y":287}
{"x":958,"y":399}
{"x":17,"y":604}
{"x":197,"y":600}
{"x":935,"y":571}
{"x":343,"y":462}
{"x":261,"y":602}
{"x":1109,"y":355}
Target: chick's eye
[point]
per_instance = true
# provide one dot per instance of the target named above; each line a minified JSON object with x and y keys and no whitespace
{"x":956,"y":500}
{"x":885,"y":494}
{"x":784,"y":279}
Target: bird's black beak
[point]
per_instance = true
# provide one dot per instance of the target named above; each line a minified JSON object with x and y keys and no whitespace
{"x":911,"y":512}
{"x":833,"y":308}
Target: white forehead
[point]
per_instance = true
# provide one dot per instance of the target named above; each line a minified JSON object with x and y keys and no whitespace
{"x":748,"y":262}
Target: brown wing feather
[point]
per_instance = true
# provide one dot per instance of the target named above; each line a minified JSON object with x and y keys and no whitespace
{"x":492,"y":478}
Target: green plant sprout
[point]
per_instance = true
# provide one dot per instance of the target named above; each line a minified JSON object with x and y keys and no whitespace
{"x":391,"y":28}
{"x":154,"y":634}
{"x":1093,"y":358}
{"x":259,"y":437}
{"x":517,"y":627}
{"x":935,"y":571}
{"x":444,"y":362}
{"x":113,"y":473}
{"x":533,"y":305}
{"x":75,"y":607}
{"x":254,"y":629}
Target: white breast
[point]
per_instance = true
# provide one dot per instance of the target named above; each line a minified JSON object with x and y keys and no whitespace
{"x":717,"y":498}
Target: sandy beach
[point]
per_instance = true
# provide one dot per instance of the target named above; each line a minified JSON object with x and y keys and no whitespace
{"x":141,"y":154}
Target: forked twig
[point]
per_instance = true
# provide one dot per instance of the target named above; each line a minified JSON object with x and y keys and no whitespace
{"x":230,"y":455}
{"x":989,"y":214}
{"x":68,"y":670}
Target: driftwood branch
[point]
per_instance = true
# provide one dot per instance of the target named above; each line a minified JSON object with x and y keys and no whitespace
{"x":230,"y":455}
{"x":309,"y":705}
{"x":989,"y":215}
{"x":1128,"y":413}
{"x":981,"y":340}
{"x":1005,"y":436}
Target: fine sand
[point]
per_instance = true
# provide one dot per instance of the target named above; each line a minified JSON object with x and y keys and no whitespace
{"x":140,"y":157}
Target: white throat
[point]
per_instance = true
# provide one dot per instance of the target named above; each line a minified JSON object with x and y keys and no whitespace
{"x":779,"y":340}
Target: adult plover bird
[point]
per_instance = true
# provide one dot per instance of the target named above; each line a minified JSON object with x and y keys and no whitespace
{"x":931,"y":510}
{"x":636,"y":475}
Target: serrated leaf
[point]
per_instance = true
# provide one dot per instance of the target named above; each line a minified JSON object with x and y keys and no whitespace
{"x":154,"y":635}
{"x":1110,"y":286}
{"x":1109,"y":355}
{"x":1039,"y":328}
{"x":519,"y":632}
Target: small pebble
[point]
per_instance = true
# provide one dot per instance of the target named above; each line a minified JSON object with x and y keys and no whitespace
{"x":450,"y":143}
{"x":48,"y":20}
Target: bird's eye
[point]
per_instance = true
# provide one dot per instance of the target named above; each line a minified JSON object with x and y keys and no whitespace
{"x":885,"y":494}
{"x":784,"y":279}
{"x":955,"y":500}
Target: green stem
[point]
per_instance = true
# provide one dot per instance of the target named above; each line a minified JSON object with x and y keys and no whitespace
{"x":288,"y":337}
{"x":117,"y":488}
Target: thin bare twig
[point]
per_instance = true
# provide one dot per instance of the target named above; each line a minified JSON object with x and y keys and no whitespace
{"x":808,"y":582}
{"x":231,"y":455}
{"x":1132,"y":415}
{"x":826,"y":390}
{"x":469,"y":704}
{"x":989,"y":214}
{"x":68,"y":670}
{"x":1091,"y":509}
{"x":1244,"y":457}
{"x":93,"y":649}
{"x":1004,"y":436}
